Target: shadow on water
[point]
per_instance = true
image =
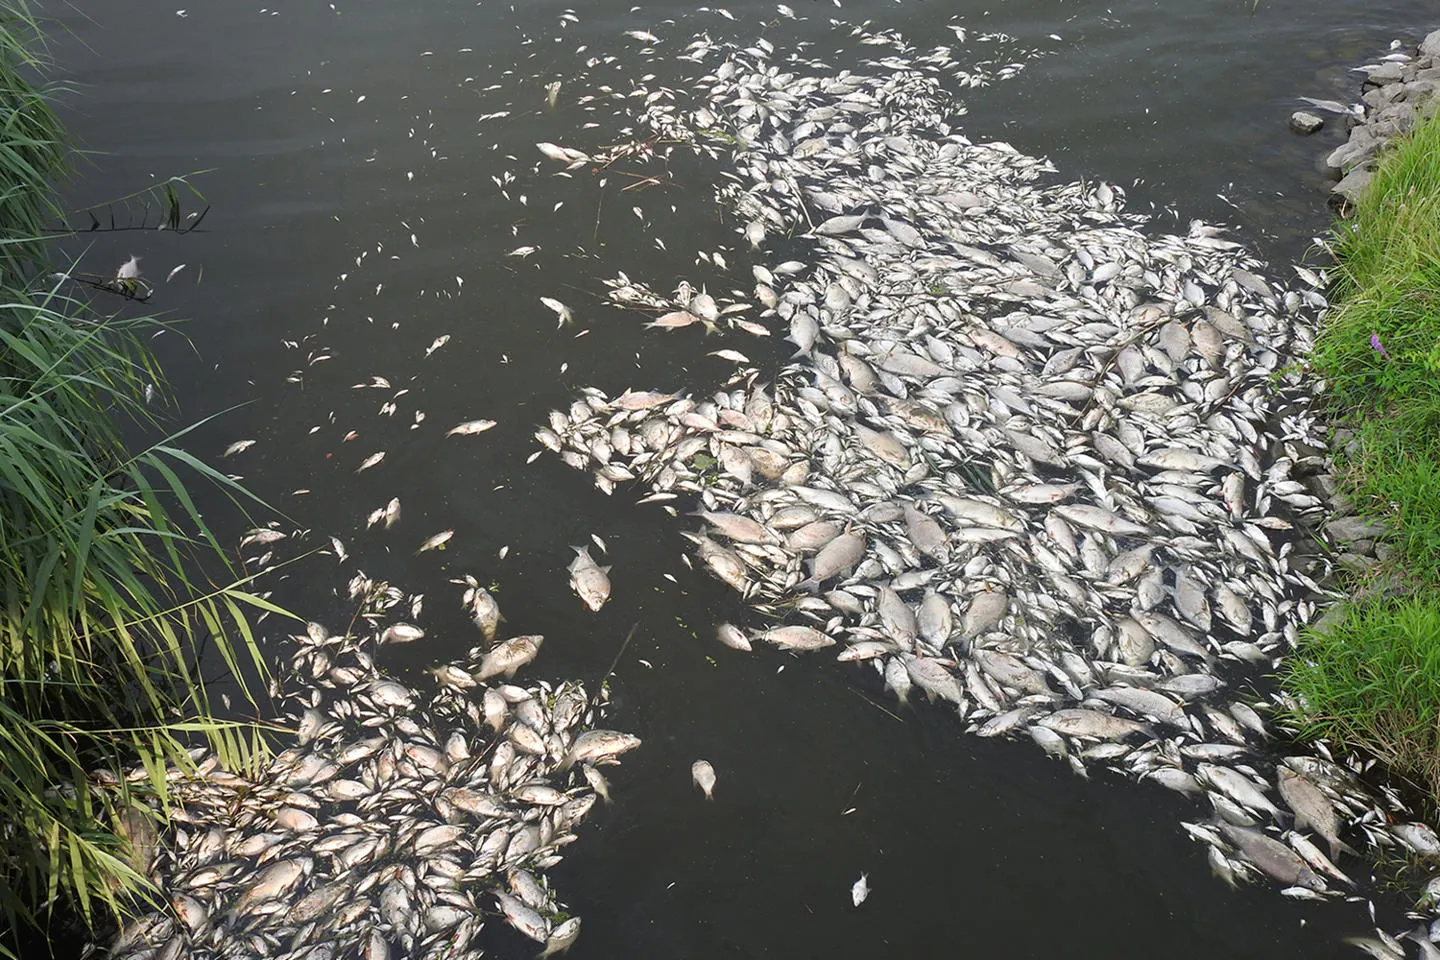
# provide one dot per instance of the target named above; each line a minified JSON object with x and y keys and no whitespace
{"x":972,"y":846}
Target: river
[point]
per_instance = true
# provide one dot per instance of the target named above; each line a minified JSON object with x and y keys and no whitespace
{"x":351,"y":185}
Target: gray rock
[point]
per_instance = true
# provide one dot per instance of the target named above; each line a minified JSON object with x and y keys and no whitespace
{"x":1356,"y":563}
{"x":1402,"y":114}
{"x":1361,"y":146}
{"x":1322,"y":486}
{"x":1352,"y":185}
{"x":1430,"y":46}
{"x":1417,"y":92}
{"x":1384,"y":73}
{"x":1348,"y":529}
{"x":1331,"y":617}
{"x":1302,"y":121}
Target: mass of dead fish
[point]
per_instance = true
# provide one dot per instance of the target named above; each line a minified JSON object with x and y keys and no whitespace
{"x":1032,"y":458}
{"x":398,"y":822}
{"x":1032,"y":461}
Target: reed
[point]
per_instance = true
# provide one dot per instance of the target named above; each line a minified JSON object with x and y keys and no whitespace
{"x":105,"y":614}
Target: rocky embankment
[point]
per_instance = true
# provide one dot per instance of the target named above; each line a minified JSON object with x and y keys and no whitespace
{"x":1397,"y":92}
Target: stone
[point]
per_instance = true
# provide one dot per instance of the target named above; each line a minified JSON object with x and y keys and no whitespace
{"x":1377,"y":97}
{"x":1360,"y":147}
{"x":1430,"y":46}
{"x":1322,"y":486}
{"x":1402,"y":114}
{"x":1347,"y":529}
{"x":1357,"y":564}
{"x":1418,"y":91}
{"x":1352,"y":185}
{"x":1304,"y":122}
{"x":1383,"y":74}
{"x":1330,"y":618}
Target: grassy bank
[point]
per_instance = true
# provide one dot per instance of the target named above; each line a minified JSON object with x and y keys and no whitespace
{"x":102,"y":619}
{"x":1371,"y":680}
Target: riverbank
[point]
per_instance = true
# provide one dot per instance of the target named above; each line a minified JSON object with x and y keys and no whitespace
{"x":102,"y":614}
{"x":1370,"y":678}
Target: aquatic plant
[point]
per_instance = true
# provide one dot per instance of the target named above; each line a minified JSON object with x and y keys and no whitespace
{"x":104,"y":615}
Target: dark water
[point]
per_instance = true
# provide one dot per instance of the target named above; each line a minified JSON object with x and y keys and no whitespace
{"x":973,"y":847}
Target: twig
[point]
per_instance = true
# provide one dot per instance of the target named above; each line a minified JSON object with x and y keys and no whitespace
{"x":614,"y":663}
{"x":877,"y":707}
{"x":595,"y":237}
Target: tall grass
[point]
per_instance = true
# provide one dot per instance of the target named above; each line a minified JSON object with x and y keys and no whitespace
{"x":103,"y":618}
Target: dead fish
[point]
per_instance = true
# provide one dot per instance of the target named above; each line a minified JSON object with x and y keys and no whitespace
{"x":239,"y":446}
{"x":589,"y":580}
{"x":561,"y":938}
{"x":733,"y":637}
{"x":704,"y":777}
{"x":508,"y":657}
{"x":562,"y":313}
{"x":438,"y":540}
{"x":595,"y":745}
{"x":470,"y":428}
{"x":1272,"y":856}
{"x":797,"y":638}
{"x":859,"y":890}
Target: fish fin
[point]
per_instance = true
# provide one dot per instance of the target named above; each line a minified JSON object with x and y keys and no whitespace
{"x":607,"y":568}
{"x":1337,"y":845}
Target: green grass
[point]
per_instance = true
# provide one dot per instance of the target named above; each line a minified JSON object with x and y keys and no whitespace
{"x":1388,"y":294}
{"x":1370,"y":684}
{"x":103,"y":616}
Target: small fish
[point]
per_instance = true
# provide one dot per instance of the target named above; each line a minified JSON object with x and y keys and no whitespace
{"x":563,"y":313}
{"x":589,"y":580}
{"x":733,"y":637}
{"x":129,"y":270}
{"x":239,"y":446}
{"x":566,"y":932}
{"x":437,"y":540}
{"x":469,"y":429}
{"x":437,"y":343}
{"x":704,"y":777}
{"x":859,"y":890}
{"x":370,"y":461}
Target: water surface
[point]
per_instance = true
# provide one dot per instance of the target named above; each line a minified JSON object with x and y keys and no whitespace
{"x":335,"y":133}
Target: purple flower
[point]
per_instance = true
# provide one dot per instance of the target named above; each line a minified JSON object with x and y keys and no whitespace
{"x":1378,"y":346}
